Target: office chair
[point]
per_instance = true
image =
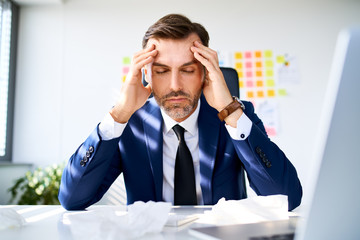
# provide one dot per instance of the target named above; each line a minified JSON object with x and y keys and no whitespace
{"x":231,"y":79}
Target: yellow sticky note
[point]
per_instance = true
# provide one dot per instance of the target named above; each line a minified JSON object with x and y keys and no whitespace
{"x":270,"y":83}
{"x":238,"y":55}
{"x":269,"y":63}
{"x":241,"y":84}
{"x":269,"y":73}
{"x":123,"y":78}
{"x":268,"y":53}
{"x":260,"y":94}
{"x":258,"y":73}
{"x":240,"y":74}
{"x":238,"y":65}
{"x":282,"y":92}
{"x":250,"y":94}
{"x":271,"y":93}
{"x":126,"y":60}
{"x":259,"y":83}
{"x":280,"y":59}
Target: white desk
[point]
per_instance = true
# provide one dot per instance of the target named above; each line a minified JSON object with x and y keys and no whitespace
{"x":45,"y":222}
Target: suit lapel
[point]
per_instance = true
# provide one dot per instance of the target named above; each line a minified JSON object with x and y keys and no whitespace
{"x":154,"y":141}
{"x":209,"y":127}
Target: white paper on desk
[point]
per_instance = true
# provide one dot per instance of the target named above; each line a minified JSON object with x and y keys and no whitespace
{"x":250,"y":210}
{"x":9,"y":218}
{"x":105,"y":223}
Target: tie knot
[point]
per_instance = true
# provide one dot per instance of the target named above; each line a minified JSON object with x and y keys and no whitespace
{"x":179,"y":131}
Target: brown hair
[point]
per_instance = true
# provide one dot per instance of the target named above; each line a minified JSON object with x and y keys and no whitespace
{"x":175,"y":26}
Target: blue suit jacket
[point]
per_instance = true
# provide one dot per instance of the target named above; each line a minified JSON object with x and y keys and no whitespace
{"x":138,"y":154}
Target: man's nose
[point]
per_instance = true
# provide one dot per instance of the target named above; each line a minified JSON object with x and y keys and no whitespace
{"x":175,"y":81}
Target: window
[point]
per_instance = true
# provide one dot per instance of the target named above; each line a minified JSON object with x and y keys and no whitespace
{"x":8,"y":31}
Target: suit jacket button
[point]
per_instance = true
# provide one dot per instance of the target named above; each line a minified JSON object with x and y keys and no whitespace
{"x":91,"y":149}
{"x":85,"y":159}
{"x":268,"y":164}
{"x":82,"y":163}
{"x":258,"y":150}
{"x":262,"y":155}
{"x":88,"y":154}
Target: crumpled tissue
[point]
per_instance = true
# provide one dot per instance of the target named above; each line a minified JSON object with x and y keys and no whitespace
{"x":250,"y":210}
{"x":106,"y":223}
{"x":9,"y":218}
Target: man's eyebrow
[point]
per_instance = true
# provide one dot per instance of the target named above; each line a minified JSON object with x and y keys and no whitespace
{"x":157,"y":64}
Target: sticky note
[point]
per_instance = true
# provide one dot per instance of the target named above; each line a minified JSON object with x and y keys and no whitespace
{"x":238,"y":65}
{"x":126,"y":60}
{"x":269,"y":63}
{"x":238,"y":55}
{"x":268,"y":54}
{"x":250,"y":94}
{"x":247,"y":54}
{"x":258,"y":73}
{"x":248,"y":64}
{"x":258,"y":54}
{"x":259,"y":83}
{"x":280,"y":59}
{"x":282,"y":92}
{"x":269,"y":73}
{"x":260,"y":94}
{"x":240,"y":74}
{"x":271,"y":131}
{"x":258,"y":64}
{"x":241,"y":84}
{"x":249,"y":84}
{"x":123,"y":78}
{"x":271,"y":93}
{"x":249,"y":74}
{"x":270,"y":83}
{"x":125,"y":70}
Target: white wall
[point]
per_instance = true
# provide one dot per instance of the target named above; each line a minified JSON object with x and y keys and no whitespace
{"x":69,"y":58}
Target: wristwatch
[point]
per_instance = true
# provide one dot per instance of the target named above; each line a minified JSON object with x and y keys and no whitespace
{"x":232,"y":107}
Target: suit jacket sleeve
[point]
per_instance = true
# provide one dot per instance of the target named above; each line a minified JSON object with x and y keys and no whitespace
{"x":82,"y":183}
{"x":269,"y":170}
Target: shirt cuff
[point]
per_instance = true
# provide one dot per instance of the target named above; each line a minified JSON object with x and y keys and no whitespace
{"x":242,"y":130}
{"x":110,"y":129}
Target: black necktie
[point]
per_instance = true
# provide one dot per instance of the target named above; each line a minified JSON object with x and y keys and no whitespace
{"x":184,"y":180}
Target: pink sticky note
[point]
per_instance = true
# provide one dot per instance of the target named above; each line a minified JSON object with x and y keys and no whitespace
{"x":248,"y":64}
{"x":249,"y":74}
{"x":249,"y":84}
{"x":125,"y":70}
{"x":247,"y":54}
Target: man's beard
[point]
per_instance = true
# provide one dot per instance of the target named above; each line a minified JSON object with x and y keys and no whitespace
{"x":177,"y":111}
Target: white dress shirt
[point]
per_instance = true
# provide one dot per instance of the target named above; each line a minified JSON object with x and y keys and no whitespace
{"x":110,"y":129}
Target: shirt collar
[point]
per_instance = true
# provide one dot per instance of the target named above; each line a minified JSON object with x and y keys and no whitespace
{"x":189,"y":124}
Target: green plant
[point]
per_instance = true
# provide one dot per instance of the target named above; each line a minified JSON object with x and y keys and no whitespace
{"x":38,"y":187}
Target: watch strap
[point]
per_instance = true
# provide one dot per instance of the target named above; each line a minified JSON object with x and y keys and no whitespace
{"x":229,"y":109}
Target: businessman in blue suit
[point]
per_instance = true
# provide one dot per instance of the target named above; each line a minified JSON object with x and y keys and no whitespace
{"x":188,"y":144}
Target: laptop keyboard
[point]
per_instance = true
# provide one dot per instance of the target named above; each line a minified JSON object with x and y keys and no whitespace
{"x":287,"y":236}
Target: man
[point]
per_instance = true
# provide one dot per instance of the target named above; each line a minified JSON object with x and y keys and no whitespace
{"x":141,"y":137}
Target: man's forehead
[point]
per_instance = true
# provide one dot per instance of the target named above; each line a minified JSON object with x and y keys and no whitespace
{"x":189,"y":40}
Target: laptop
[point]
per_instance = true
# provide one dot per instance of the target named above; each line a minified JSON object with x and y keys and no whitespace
{"x":334,"y":202}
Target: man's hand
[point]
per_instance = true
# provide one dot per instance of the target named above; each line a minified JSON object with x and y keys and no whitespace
{"x":133,"y":94}
{"x":215,"y":89}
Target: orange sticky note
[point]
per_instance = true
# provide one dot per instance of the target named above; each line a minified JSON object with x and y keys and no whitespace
{"x":258,"y":73}
{"x":260,"y":94}
{"x":258,"y":64}
{"x":250,"y":94}
{"x":238,"y":65}
{"x":271,"y":93}
{"x":241,"y":84}
{"x":238,"y":55}
{"x":268,"y":54}
{"x":270,"y":83}
{"x":259,"y":83}
{"x":258,"y":54}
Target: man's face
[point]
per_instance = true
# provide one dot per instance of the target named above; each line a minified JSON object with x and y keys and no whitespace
{"x":177,"y":77}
